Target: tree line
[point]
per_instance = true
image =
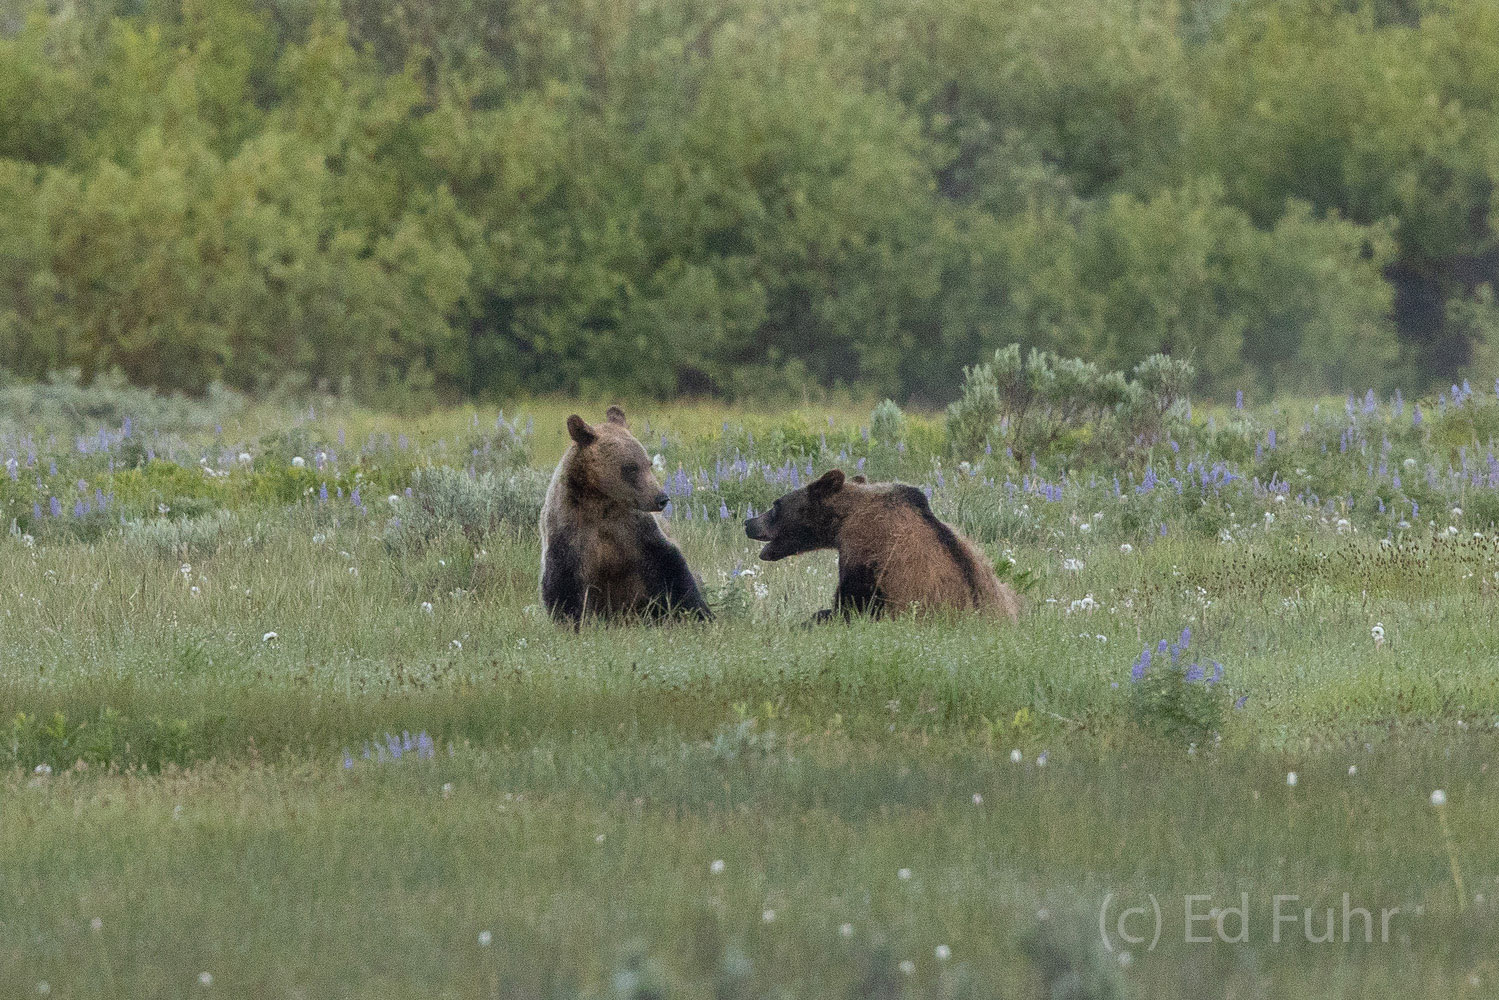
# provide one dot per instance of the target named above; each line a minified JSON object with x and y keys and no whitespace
{"x":746,"y":197}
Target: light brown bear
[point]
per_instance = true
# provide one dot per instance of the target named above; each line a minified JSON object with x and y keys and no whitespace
{"x":603,"y":552}
{"x":893,"y":552}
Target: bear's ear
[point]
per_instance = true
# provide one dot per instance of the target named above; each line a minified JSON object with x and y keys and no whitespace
{"x":579,"y":431}
{"x":860,"y":479}
{"x":615,"y":415}
{"x":830,"y":483}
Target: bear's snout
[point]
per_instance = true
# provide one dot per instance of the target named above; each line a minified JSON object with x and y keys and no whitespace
{"x":660,"y":500}
{"x":754,"y":529}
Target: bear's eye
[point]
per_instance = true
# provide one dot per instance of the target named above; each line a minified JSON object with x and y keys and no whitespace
{"x":629,"y":470}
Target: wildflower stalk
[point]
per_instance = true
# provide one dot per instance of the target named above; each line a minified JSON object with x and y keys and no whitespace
{"x":1457,"y":875}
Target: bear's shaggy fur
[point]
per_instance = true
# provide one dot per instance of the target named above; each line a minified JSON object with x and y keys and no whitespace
{"x":893,"y":552}
{"x":602,"y":549}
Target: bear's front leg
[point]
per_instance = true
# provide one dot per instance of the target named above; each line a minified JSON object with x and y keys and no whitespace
{"x":671,"y":590}
{"x":858,"y":591}
{"x":563,"y":592}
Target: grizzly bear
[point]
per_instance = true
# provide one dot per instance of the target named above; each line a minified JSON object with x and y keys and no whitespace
{"x":603,"y":552}
{"x":893,"y":552}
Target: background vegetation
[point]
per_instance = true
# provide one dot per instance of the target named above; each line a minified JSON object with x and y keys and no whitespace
{"x":473,"y":197}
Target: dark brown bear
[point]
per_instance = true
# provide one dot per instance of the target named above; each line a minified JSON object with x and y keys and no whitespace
{"x":893,"y":553}
{"x":602,"y":550}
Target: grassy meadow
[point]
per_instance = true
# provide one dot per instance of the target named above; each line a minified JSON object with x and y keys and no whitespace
{"x":282,"y":717}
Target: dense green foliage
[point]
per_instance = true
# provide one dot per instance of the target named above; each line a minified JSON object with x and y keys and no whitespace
{"x":478,"y":196}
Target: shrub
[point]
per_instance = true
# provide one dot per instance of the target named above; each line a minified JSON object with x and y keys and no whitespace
{"x":444,"y":499}
{"x":887,"y":425}
{"x":64,"y":403}
{"x":183,"y":538}
{"x":1180,"y":700}
{"x":1031,"y":404}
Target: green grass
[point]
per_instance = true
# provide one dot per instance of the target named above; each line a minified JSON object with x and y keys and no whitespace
{"x":200,"y":807}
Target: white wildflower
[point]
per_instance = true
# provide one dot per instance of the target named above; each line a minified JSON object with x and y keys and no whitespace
{"x":1439,"y":798}
{"x":1126,"y":548}
{"x":298,"y":462}
{"x":485,"y":937}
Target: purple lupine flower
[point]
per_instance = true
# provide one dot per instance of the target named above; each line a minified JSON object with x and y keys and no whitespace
{"x":348,"y":760}
{"x":1186,"y":637}
{"x":354,"y":497}
{"x":1239,"y":702}
{"x":1141,"y":665}
{"x":1217,"y":673}
{"x":1239,"y":399}
{"x":723,"y":511}
{"x":322,"y":493}
{"x":1194,"y":673}
{"x":55,"y":506}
